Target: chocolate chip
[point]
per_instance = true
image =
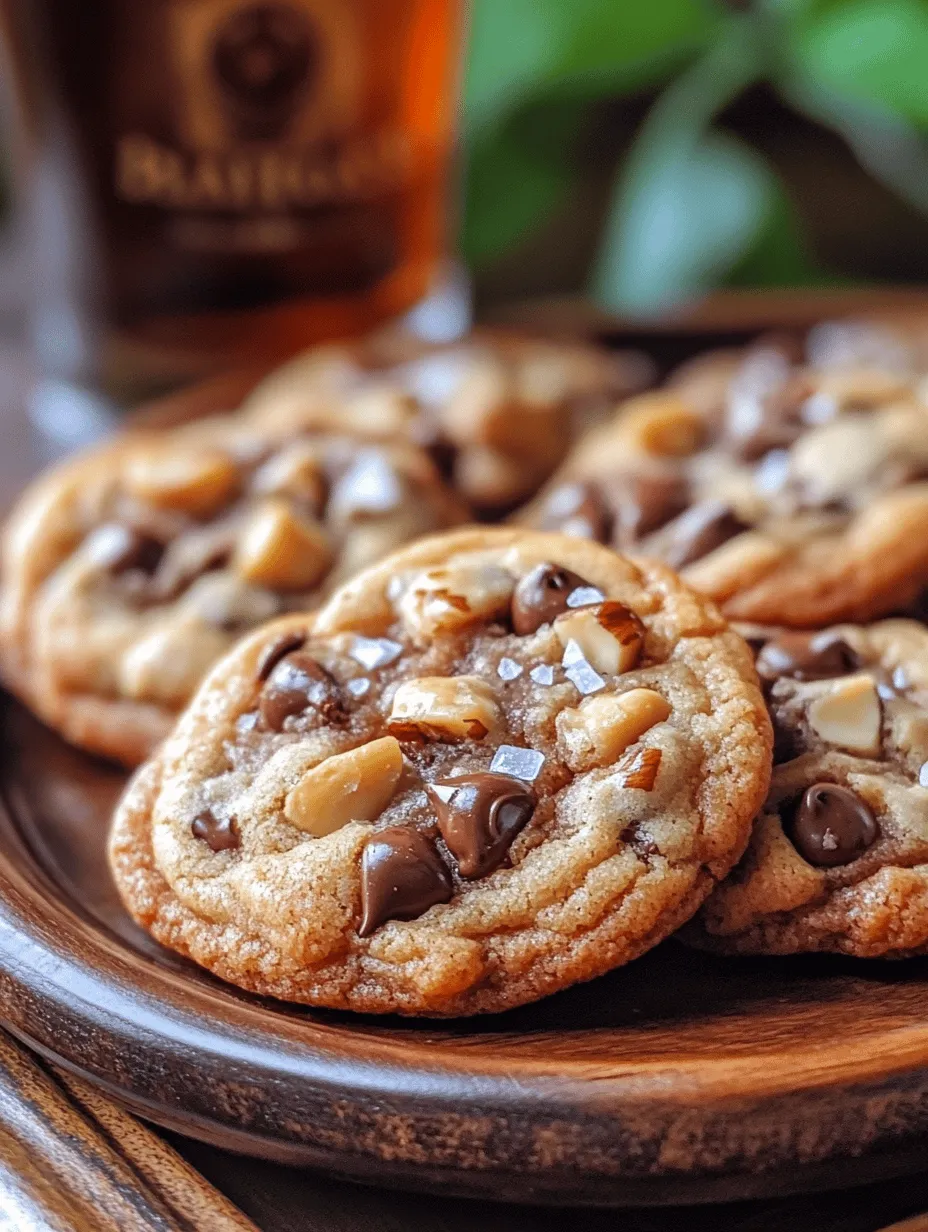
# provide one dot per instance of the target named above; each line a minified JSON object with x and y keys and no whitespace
{"x":700,"y":531}
{"x":298,"y":683}
{"x":542,"y":595}
{"x":645,"y":503}
{"x":832,"y":826}
{"x":281,"y":646}
{"x":402,"y":875}
{"x":120,"y":548}
{"x":807,"y":656}
{"x":219,"y":833}
{"x":577,"y":509}
{"x":479,"y":815}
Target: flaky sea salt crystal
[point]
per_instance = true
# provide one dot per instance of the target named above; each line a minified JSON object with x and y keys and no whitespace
{"x":572,"y":653}
{"x":369,"y":486}
{"x":583,"y":596}
{"x":395,"y":587}
{"x":372,"y":652}
{"x":509,"y":669}
{"x":583,"y":676}
{"x":522,"y":764}
{"x":358,"y":687}
{"x":923,"y":775}
{"x":542,"y":674}
{"x":246,"y":723}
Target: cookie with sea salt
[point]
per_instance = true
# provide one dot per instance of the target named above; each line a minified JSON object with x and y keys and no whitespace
{"x":838,"y":859}
{"x":493,"y":765}
{"x":792,"y":491}
{"x":129,"y":570}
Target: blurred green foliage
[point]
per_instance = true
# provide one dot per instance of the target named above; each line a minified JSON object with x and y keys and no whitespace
{"x":692,"y":205}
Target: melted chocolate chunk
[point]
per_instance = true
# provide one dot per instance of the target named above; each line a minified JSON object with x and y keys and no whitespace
{"x":577,"y":509}
{"x":277,"y":650}
{"x":646,"y":503}
{"x":298,"y":683}
{"x":832,"y":826}
{"x":122,"y":548}
{"x":479,"y":815}
{"x":542,"y":595}
{"x":219,"y":834}
{"x":402,"y":875}
{"x":700,"y":531}
{"x":807,"y":656}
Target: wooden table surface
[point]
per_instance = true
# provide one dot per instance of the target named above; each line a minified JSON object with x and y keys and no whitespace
{"x":70,"y":1161}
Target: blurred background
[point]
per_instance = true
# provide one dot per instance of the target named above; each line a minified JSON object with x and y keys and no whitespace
{"x":644,"y":153}
{"x":650,"y":151}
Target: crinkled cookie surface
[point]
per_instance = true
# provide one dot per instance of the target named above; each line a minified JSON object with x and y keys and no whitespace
{"x":839,"y":857}
{"x":495,"y":764}
{"x":791,"y":489}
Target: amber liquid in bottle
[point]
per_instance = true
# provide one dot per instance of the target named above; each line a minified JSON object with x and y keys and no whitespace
{"x":220,"y":182}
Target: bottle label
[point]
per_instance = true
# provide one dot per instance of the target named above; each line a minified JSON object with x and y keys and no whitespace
{"x":266,"y":114}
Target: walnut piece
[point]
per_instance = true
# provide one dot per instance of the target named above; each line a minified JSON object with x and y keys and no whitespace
{"x":282,"y":550}
{"x":849,"y":715}
{"x":353,"y":786}
{"x":610,"y":636}
{"x":445,"y":708}
{"x":597,"y":731}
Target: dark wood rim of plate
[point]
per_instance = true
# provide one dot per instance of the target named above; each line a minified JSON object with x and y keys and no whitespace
{"x":610,"y":1093}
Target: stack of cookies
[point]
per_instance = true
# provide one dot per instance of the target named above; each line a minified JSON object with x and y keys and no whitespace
{"x":399,"y":763}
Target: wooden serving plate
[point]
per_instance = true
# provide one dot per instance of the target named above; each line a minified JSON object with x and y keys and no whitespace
{"x":680,"y":1078}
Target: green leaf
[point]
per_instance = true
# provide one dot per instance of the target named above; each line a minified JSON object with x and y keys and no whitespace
{"x":870,"y":49}
{"x":517,"y":177}
{"x":521,"y":49}
{"x":679,"y":228}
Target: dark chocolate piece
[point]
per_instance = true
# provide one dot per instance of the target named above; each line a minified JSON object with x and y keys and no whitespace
{"x":402,"y":875}
{"x":121,"y":548}
{"x":277,"y":650}
{"x":479,"y":816}
{"x":577,"y":509}
{"x":219,"y":834}
{"x":832,"y":825}
{"x":298,"y":683}
{"x":807,"y":656}
{"x":644,"y":503}
{"x":700,"y":531}
{"x":542,"y":595}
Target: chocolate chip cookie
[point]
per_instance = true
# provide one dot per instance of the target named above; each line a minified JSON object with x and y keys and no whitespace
{"x":495,"y":764}
{"x":839,"y":857}
{"x":497,"y":411}
{"x":792,"y":493}
{"x":128,"y":571}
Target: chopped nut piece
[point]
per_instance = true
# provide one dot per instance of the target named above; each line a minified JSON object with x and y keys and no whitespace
{"x":195,"y":483}
{"x":600,"y":728}
{"x":521,"y":763}
{"x":447,"y":599}
{"x":639,"y":768}
{"x":661,"y":424}
{"x":353,"y":786}
{"x":446,"y":708}
{"x":282,"y":550}
{"x":849,"y":715}
{"x":610,"y":636}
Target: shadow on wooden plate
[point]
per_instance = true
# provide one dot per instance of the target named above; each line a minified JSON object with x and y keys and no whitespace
{"x":680,"y":1078}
